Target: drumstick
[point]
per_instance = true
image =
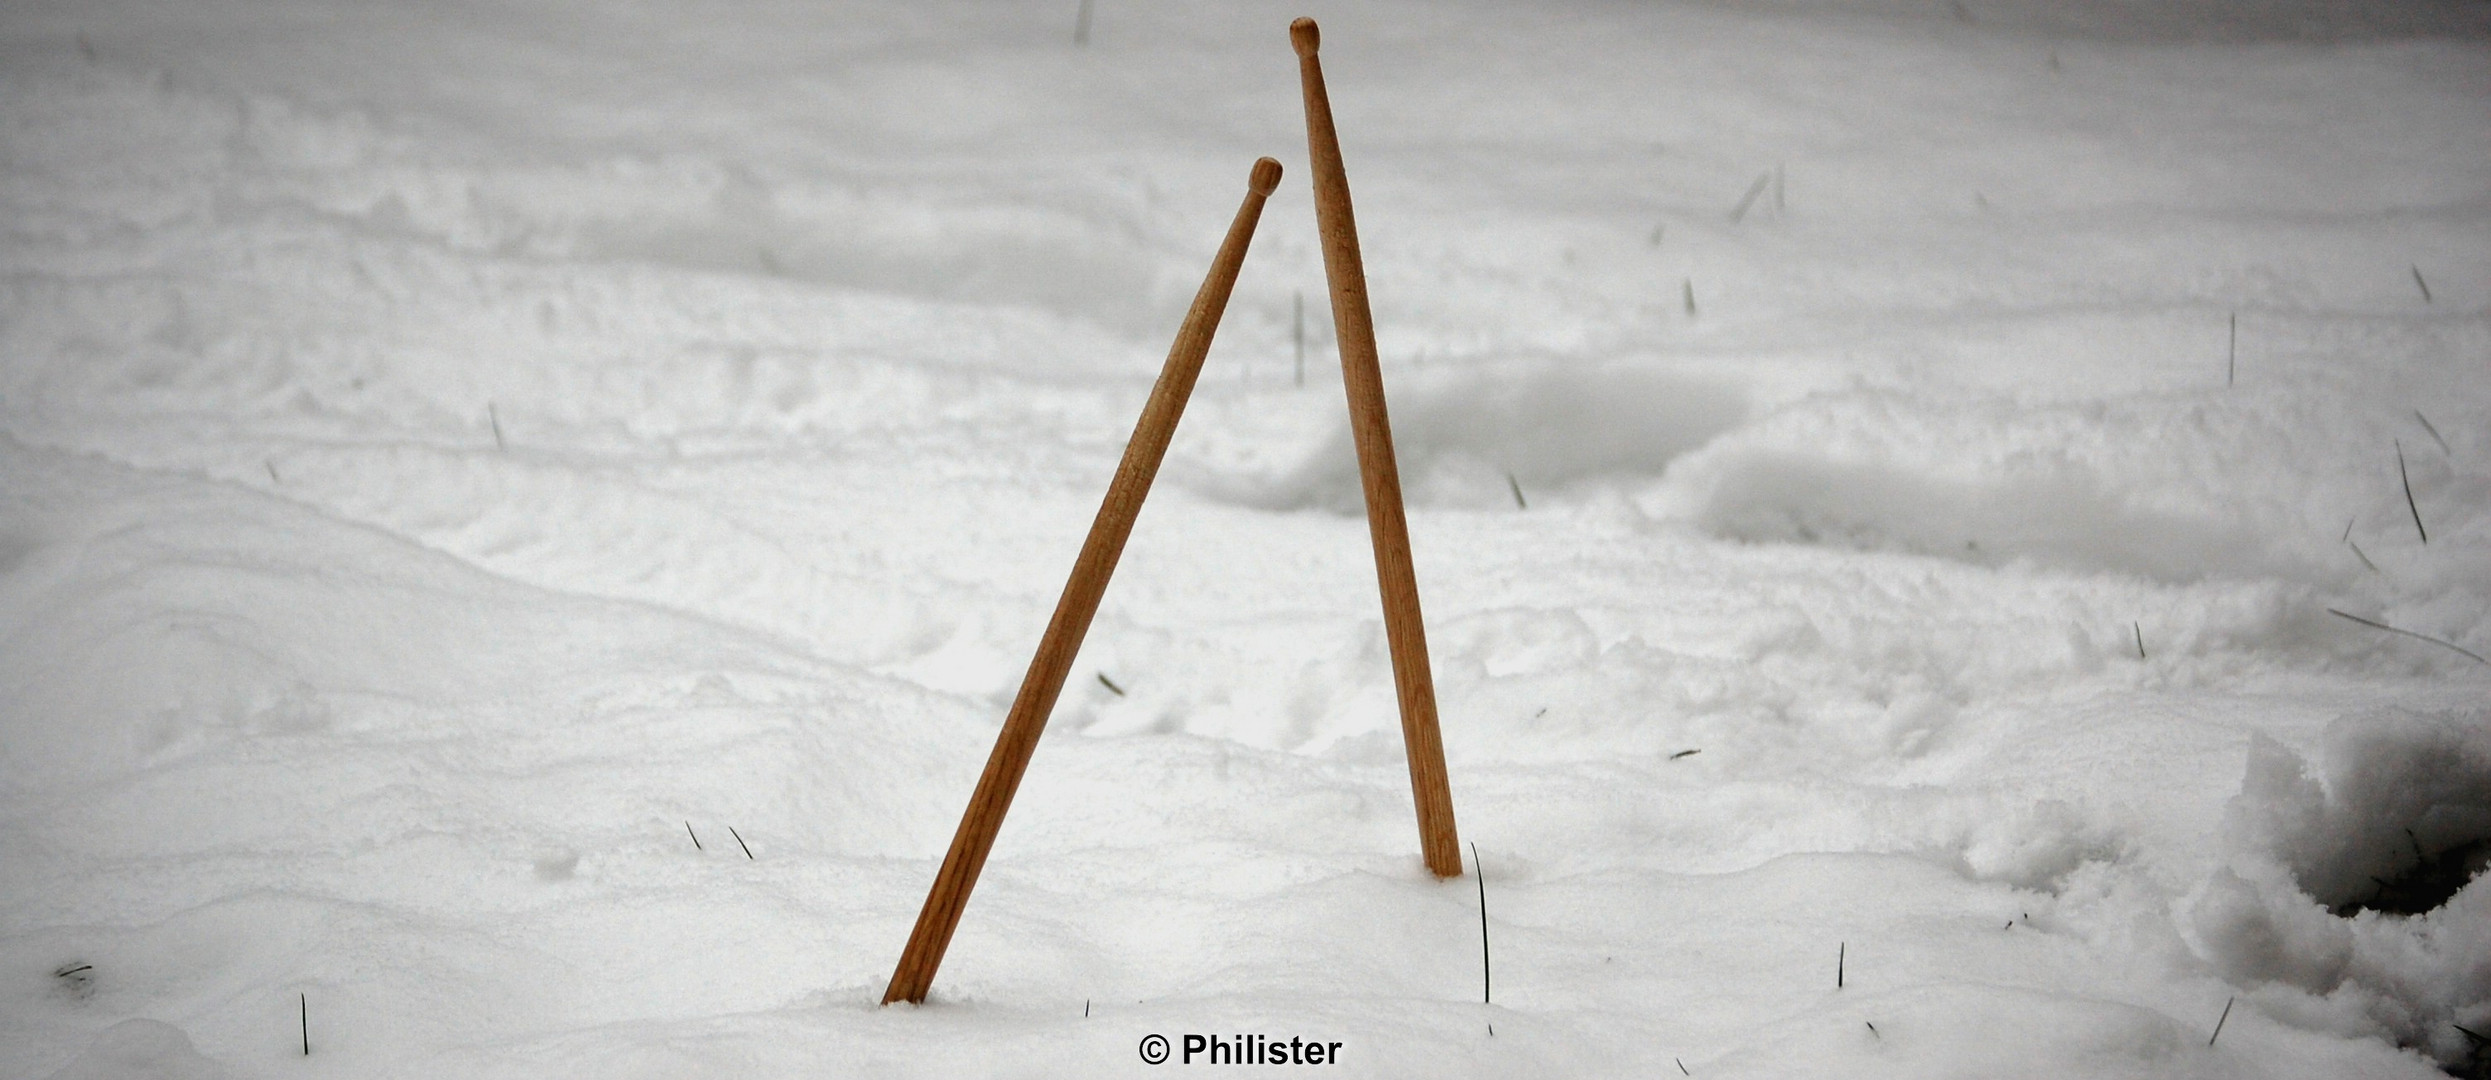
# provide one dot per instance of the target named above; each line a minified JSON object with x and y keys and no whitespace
{"x":1354,"y":329}
{"x":1082,"y":590}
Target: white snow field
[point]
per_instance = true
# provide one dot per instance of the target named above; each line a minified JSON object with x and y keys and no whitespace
{"x":453,"y":455}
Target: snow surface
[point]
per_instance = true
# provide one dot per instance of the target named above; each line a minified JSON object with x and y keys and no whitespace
{"x":451,"y":453}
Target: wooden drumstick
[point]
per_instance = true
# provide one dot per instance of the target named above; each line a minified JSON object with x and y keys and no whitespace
{"x":1082,"y":590}
{"x":1354,"y":329}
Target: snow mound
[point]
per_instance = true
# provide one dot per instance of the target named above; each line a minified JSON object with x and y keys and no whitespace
{"x":2150,"y":487}
{"x":2136,"y":486}
{"x":1470,"y":437}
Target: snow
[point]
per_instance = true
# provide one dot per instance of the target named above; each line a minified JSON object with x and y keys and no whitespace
{"x":453,"y":456}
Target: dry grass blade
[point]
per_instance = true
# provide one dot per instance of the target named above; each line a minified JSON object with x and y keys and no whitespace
{"x":2468,"y":653}
{"x":2434,"y":431}
{"x":2407,"y":478}
{"x":2361,"y":555}
{"x":1480,"y":874}
{"x":1749,"y":199}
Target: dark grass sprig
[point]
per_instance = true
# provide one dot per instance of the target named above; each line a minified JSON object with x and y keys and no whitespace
{"x":2218,"y":1022}
{"x":76,"y":979}
{"x":2140,"y":638}
{"x":1689,"y":288}
{"x":2375,"y":625}
{"x":2434,"y":432}
{"x":1110,"y":684}
{"x":2480,"y":1039}
{"x":696,"y":837}
{"x":2347,"y":541}
{"x":2363,"y":556}
{"x":303,"y":1002}
{"x":2402,"y":475}
{"x":2421,"y":284}
{"x":1842,"y":954}
{"x":1516,"y":487}
{"x":1749,"y":200}
{"x":1480,"y":873}
{"x":739,"y":841}
{"x":1684,"y":754}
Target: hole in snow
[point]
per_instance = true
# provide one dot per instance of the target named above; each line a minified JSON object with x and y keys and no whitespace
{"x":2396,"y":819}
{"x":2355,"y":899}
{"x":2432,"y":880}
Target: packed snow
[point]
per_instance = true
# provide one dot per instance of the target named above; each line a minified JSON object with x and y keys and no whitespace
{"x":1956,"y":538}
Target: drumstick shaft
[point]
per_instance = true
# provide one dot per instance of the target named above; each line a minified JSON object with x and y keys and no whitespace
{"x":1082,"y":591}
{"x":1354,"y":328}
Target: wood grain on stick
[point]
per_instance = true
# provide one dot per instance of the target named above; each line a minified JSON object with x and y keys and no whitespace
{"x":1088,"y":582}
{"x":1380,"y":477}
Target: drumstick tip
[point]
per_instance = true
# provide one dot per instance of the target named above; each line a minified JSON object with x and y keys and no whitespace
{"x":1265,"y":177}
{"x":1302,"y":33}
